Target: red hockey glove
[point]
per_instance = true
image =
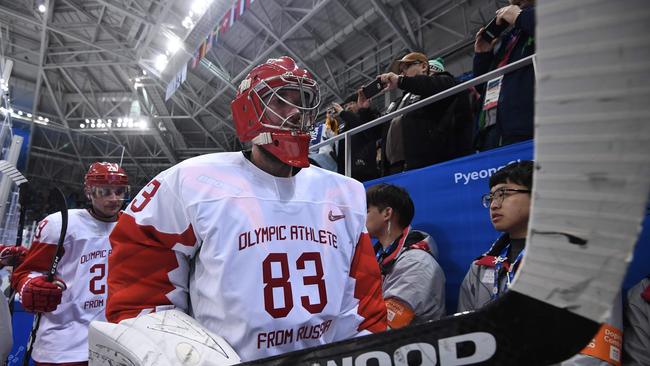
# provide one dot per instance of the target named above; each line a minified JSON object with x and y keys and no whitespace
{"x":12,"y":255}
{"x":39,"y":296}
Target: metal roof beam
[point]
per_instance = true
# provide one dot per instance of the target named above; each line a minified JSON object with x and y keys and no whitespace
{"x":381,"y":8}
{"x":320,"y":5}
{"x":98,"y":115}
{"x":65,"y":122}
{"x":129,"y":14}
{"x":25,"y":18}
{"x":39,"y":76}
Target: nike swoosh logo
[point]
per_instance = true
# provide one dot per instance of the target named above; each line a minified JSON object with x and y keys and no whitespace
{"x":333,"y":217}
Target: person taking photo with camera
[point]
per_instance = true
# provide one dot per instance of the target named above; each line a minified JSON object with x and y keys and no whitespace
{"x":434,"y":133}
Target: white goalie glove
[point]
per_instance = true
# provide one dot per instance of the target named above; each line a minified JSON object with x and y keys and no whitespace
{"x":162,"y":339}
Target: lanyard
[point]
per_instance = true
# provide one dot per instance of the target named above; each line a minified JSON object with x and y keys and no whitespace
{"x":510,"y":274}
{"x":511,"y":45}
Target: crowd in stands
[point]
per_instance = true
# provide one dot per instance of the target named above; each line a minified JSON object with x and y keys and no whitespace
{"x":494,"y":114}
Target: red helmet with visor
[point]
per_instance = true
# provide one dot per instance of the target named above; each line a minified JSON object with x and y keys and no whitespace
{"x":275,"y":107}
{"x":103,"y":179}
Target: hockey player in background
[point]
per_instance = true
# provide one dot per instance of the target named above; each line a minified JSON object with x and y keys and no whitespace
{"x":78,"y":294}
{"x":257,"y":246}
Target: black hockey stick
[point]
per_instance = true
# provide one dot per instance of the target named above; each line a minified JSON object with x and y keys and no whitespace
{"x":57,"y":199}
{"x":499,"y":334}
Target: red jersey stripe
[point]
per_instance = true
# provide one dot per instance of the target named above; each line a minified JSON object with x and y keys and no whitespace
{"x":365,"y":270}
{"x":139,"y":267}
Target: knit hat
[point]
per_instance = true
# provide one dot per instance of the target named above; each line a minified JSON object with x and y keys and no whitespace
{"x":437,"y":65}
{"x":411,"y":58}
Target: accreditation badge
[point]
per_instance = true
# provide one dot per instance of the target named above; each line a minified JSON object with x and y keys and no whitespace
{"x":606,"y":345}
{"x":488,"y":277}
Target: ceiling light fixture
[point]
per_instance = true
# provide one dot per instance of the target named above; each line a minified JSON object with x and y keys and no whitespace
{"x":187,"y":23}
{"x":173,"y":45}
{"x":160,"y":62}
{"x":199,"y":7}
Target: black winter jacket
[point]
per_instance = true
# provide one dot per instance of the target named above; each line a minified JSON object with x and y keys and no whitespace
{"x":364,"y":145}
{"x":439,"y":131}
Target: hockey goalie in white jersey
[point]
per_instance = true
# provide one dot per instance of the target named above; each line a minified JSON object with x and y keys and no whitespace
{"x":257,"y":246}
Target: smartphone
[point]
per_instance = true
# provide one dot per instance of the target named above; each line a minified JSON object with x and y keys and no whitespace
{"x":373,"y":88}
{"x":494,"y":30}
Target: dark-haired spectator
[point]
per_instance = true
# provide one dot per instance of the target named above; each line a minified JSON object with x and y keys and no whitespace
{"x":507,"y":113}
{"x":509,"y":204}
{"x":356,"y":111}
{"x":435,"y":133}
{"x":636,"y":343}
{"x":491,"y":274}
{"x":413,"y":281}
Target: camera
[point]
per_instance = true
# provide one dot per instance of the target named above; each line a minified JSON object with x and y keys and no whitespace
{"x":493,"y":30}
{"x":373,"y":88}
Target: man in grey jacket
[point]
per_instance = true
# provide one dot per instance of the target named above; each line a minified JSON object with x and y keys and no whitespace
{"x":413,"y":282}
{"x":491,"y":274}
{"x":636,"y":343}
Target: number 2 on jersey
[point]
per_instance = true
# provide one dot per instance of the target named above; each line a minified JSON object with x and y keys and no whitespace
{"x":94,"y":288}
{"x":283,"y":283}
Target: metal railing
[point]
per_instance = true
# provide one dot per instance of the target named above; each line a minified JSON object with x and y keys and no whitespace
{"x":424,"y":102}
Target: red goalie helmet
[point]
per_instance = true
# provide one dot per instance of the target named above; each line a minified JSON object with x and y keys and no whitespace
{"x":275,"y":107}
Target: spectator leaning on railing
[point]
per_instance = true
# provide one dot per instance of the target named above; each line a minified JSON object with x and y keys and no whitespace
{"x":434,"y":133}
{"x":507,"y":113}
{"x":356,"y":110}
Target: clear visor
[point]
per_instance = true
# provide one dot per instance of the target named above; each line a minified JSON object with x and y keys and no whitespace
{"x":112,"y":192}
{"x":292,"y":106}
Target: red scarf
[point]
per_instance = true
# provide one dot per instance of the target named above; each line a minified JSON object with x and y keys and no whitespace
{"x":646,"y":294}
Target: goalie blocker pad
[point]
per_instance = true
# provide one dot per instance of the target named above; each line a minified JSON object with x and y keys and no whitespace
{"x":514,"y":330}
{"x":164,"y":338}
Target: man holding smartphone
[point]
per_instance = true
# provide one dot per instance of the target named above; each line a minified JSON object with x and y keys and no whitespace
{"x":434,"y":133}
{"x":506,"y":115}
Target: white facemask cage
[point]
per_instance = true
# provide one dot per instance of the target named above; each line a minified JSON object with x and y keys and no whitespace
{"x":307,"y":110}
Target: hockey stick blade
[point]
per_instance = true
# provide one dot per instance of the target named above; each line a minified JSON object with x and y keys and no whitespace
{"x":499,"y":334}
{"x":10,"y":170}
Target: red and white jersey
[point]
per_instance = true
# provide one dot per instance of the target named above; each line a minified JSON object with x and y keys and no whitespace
{"x":271,"y":264}
{"x":63,"y":334}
